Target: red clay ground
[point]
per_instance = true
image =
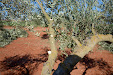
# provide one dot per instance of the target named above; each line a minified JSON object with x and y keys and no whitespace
{"x":25,"y":56}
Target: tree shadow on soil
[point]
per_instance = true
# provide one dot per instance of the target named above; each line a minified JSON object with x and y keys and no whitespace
{"x":91,"y":63}
{"x":45,"y":36}
{"x":22,"y":65}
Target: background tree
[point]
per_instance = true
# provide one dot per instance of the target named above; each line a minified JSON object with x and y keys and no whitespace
{"x":18,"y":12}
{"x":107,"y":11}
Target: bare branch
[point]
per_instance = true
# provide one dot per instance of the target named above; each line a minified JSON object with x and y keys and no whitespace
{"x":83,"y":50}
{"x":46,"y":15}
{"x":48,"y":66}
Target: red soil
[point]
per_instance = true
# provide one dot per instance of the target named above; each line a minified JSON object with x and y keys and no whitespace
{"x":25,"y":56}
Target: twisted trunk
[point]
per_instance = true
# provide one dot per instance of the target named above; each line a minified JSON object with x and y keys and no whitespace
{"x":66,"y":67}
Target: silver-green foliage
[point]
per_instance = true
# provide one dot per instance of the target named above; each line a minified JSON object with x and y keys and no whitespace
{"x":71,"y":12}
{"x":20,"y":13}
{"x":8,"y":35}
{"x":106,"y":46}
{"x":69,"y":16}
{"x":107,"y":27}
{"x":85,"y":13}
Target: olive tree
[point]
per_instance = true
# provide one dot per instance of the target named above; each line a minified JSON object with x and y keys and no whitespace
{"x":20,"y":11}
{"x":75,"y":24}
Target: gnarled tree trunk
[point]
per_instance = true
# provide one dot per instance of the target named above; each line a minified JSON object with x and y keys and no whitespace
{"x":66,"y":67}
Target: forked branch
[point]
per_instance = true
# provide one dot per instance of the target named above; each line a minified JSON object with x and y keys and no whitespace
{"x":67,"y":66}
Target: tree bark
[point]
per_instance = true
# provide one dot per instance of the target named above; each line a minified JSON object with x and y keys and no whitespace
{"x":67,"y":66}
{"x":48,"y":65}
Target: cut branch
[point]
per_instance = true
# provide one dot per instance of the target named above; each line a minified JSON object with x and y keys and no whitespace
{"x":48,"y":66}
{"x":67,"y":66}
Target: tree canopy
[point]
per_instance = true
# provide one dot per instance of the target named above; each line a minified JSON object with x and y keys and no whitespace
{"x":68,"y":19}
